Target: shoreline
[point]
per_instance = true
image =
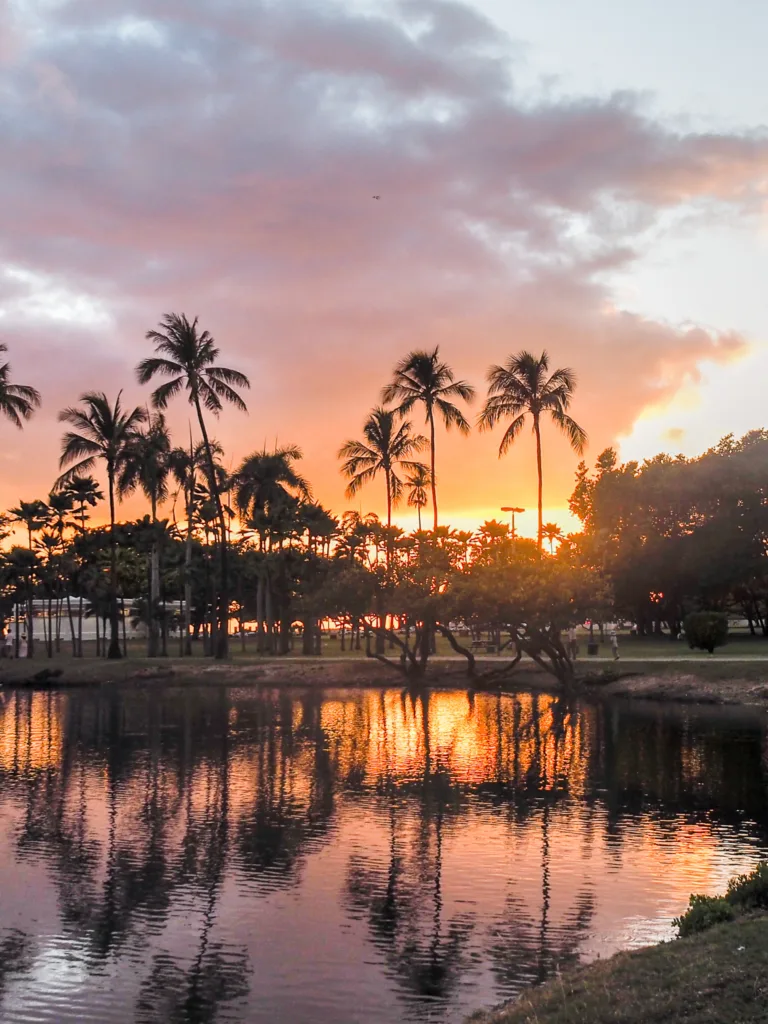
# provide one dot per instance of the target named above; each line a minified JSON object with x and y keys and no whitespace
{"x":719,"y":976}
{"x":712,"y":682}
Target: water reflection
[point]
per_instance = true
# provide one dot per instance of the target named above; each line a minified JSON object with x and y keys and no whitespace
{"x":203,"y":854}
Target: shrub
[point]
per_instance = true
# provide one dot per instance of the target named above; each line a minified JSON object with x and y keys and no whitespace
{"x":703,"y":912}
{"x":750,"y":892}
{"x":706,"y":630}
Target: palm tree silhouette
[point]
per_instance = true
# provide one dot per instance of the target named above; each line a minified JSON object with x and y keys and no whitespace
{"x":521,"y":388}
{"x":551,"y":532}
{"x":266,"y":478}
{"x":17,"y":401}
{"x":385,"y":447}
{"x":185,"y":466}
{"x":147,"y":465}
{"x":85,"y":493}
{"x":421,"y":378}
{"x":418,"y":480}
{"x":101,"y":431}
{"x":188,"y":358}
{"x":33,"y":515}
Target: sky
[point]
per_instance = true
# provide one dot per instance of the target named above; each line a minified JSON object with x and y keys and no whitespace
{"x":587,"y":178}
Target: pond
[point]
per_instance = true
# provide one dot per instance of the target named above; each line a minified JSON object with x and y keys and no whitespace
{"x":330,"y":857}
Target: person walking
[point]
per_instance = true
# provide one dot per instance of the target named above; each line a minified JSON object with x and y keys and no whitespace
{"x":614,"y":644}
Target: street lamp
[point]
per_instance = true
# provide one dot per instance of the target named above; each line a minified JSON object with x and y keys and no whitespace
{"x":509,"y":508}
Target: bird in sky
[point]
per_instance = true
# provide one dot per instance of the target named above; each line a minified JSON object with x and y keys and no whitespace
{"x":377,"y":197}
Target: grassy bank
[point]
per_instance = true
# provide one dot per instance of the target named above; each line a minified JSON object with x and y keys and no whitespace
{"x":708,"y":682}
{"x":718,"y":977}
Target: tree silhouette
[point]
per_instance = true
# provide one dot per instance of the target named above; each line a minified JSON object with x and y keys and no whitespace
{"x":147,"y":464}
{"x":100,"y":431}
{"x":188,"y":357}
{"x":422,"y":379}
{"x":386,"y":446}
{"x":522,"y":388}
{"x":17,"y":401}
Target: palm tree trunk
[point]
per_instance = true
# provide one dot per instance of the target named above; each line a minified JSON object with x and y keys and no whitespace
{"x":389,"y":516}
{"x":80,"y":605}
{"x":114,"y":640}
{"x":30,"y":610}
{"x":432,"y":463}
{"x":188,"y":574}
{"x":418,"y":511}
{"x":222,"y":638}
{"x":537,"y":431}
{"x":50,"y":623}
{"x":154,"y":584}
{"x":71,"y":624}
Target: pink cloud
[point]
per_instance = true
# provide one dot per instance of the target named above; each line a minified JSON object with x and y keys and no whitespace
{"x":224,"y":163}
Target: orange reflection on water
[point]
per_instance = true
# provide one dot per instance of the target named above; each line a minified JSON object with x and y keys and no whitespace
{"x":30,"y":731}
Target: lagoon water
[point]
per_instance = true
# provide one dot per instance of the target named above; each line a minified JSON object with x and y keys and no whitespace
{"x":349,"y":857}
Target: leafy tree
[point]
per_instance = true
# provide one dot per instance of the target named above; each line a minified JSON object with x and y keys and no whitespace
{"x":188,"y":358}
{"x":523,"y":387}
{"x":422,"y":379}
{"x":706,"y":630}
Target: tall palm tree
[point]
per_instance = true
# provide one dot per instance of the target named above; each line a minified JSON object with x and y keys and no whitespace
{"x":33,"y":515}
{"x":551,"y":532}
{"x":17,"y":401}
{"x":188,"y":357}
{"x":523,"y":387}
{"x":100,"y":431}
{"x":421,"y":378}
{"x":85,"y":493}
{"x":386,"y":447}
{"x":147,"y":465}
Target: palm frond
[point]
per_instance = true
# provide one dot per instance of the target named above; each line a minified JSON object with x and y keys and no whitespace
{"x":576,"y":435}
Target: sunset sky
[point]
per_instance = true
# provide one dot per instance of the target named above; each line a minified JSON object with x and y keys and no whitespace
{"x":587,"y":177}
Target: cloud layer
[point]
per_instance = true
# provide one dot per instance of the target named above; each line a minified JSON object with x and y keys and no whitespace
{"x":219,"y":157}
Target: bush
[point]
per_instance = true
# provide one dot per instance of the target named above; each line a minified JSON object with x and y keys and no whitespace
{"x":750,"y":892}
{"x":706,"y":630}
{"x":703,"y":912}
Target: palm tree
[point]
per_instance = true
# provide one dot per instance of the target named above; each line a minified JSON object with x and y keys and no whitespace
{"x":186,"y":465}
{"x":188,"y":358}
{"x":267,"y":478}
{"x":85,"y":493}
{"x":521,"y":388}
{"x":59,"y":509}
{"x":551,"y":532}
{"x":417,"y":481}
{"x":33,"y":515}
{"x":147,"y":465}
{"x":421,"y":378}
{"x":17,"y":401}
{"x":386,"y":446}
{"x":101,"y":431}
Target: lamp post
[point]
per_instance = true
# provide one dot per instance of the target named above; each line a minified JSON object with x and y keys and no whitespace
{"x":510,"y":508}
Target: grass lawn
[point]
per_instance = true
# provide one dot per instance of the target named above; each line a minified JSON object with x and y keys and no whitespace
{"x":718,"y":977}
